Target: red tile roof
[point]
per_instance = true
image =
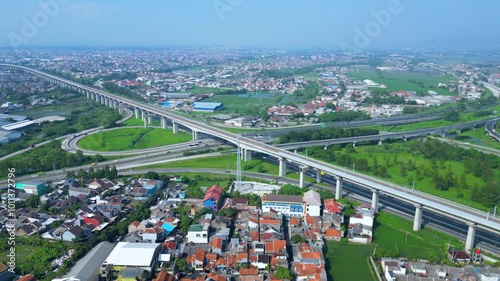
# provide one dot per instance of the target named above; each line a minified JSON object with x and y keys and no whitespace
{"x":213,"y":192}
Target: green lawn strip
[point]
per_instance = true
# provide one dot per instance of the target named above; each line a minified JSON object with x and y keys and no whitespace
{"x":131,"y":138}
{"x":132,"y":122}
{"x":348,"y":261}
{"x":395,"y":234}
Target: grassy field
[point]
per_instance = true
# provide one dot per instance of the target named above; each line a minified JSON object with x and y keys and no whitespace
{"x":348,"y":261}
{"x":64,"y":108}
{"x":131,"y":138}
{"x":395,"y":234}
{"x":387,"y":155}
{"x":138,"y":122}
{"x":240,"y":104}
{"x":399,"y":80}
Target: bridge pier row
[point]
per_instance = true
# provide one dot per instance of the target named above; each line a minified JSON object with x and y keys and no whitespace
{"x":302,"y":175}
{"x":164,"y":122}
{"x":175,"y":127}
{"x":417,"y":221}
{"x":136,"y":112}
{"x":338,"y":188}
{"x":318,"y":176}
{"x":195,"y":135}
{"x":282,"y":166}
{"x":375,"y":200}
{"x":471,"y":233}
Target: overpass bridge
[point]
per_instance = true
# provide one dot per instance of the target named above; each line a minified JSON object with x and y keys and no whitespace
{"x":473,"y":217}
{"x":490,"y":129}
{"x":381,"y":137}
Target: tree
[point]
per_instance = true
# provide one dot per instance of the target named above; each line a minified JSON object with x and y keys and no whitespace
{"x":181,"y":264}
{"x":451,"y":115}
{"x":32,"y":201}
{"x":298,"y":239}
{"x":152,"y":175}
{"x":283,"y":273}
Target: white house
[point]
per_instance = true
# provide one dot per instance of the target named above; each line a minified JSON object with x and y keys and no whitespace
{"x":197,"y":234}
{"x":313,"y":203}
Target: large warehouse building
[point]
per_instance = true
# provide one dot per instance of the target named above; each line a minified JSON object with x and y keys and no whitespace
{"x":207,"y":106}
{"x":129,"y":260}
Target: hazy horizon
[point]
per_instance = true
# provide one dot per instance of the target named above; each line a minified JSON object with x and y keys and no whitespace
{"x":363,"y":25}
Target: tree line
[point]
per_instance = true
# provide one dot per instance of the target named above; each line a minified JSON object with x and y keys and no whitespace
{"x":326,"y":133}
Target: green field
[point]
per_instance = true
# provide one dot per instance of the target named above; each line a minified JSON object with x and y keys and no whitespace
{"x":390,"y":155}
{"x":399,"y":80}
{"x":64,"y":108}
{"x":138,"y":122}
{"x":131,"y":138}
{"x":348,"y":261}
{"x":241,"y":104}
{"x":394,"y":234}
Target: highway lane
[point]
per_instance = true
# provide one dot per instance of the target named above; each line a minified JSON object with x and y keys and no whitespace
{"x":490,"y":129}
{"x":380,"y":137}
{"x":494,"y":89}
{"x":466,"y":145}
{"x":449,"y":208}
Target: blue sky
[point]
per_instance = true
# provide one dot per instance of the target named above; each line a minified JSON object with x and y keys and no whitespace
{"x":265,"y":23}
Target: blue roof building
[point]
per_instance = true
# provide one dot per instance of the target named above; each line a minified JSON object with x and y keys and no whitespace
{"x":207,"y":106}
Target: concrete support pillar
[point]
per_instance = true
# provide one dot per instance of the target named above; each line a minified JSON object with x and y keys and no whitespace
{"x":471,"y":233}
{"x":136,"y":112}
{"x":379,"y":142}
{"x":116,"y":104}
{"x":145,"y":120}
{"x":143,"y":115}
{"x":417,"y":221}
{"x":120,"y":110}
{"x":375,"y":200}
{"x":247,"y":154}
{"x":459,"y":131}
{"x":443,"y":134}
{"x":88,"y":94}
{"x":295,"y":151}
{"x":338,"y":188}
{"x":302,"y":175}
{"x":175,"y":127}
{"x":405,"y":139}
{"x":354,"y":144}
{"x":195,"y":135}
{"x":282,"y":166}
{"x":326,"y":147}
{"x":150,"y":119}
{"x":318,"y":176}
{"x":163,"y":122}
